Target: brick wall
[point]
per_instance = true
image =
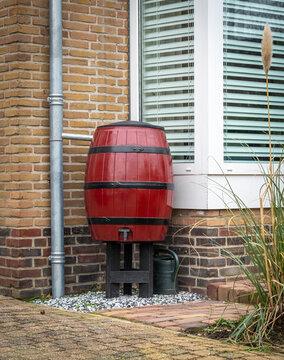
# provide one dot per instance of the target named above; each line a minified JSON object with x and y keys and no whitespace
{"x":201,"y":239}
{"x":95,"y":78}
{"x":95,"y":88}
{"x":25,"y":269}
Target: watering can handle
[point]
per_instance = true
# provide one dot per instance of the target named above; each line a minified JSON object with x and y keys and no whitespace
{"x":171,"y":252}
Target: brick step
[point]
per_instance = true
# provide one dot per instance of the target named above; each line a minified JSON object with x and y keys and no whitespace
{"x":237,"y":291}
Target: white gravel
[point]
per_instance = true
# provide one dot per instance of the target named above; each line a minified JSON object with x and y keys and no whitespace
{"x":94,"y":301}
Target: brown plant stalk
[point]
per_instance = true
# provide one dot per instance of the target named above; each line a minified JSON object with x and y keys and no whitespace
{"x":267,"y":45}
{"x":266,"y":60}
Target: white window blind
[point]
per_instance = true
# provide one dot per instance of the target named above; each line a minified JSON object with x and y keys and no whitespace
{"x":167,"y":93}
{"x":245,"y":106}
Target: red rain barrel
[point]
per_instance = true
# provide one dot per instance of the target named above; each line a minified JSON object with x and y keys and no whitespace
{"x":129,"y":183}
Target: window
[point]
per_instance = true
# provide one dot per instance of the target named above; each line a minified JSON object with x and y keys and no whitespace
{"x":167,"y":72}
{"x":245,"y":114}
{"x":195,"y":68}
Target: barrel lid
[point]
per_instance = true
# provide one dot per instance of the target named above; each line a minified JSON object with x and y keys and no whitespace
{"x":133,"y":123}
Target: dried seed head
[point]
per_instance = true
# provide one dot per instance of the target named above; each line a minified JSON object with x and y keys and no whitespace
{"x":266,"y":48}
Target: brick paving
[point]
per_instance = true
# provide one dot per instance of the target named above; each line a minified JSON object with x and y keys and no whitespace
{"x":238,"y":291}
{"x":179,"y":317}
{"x":30,"y":331}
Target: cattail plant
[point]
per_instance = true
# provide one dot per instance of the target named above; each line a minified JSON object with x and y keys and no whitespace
{"x":263,"y":244}
{"x":266,"y":52}
{"x":266,"y":47}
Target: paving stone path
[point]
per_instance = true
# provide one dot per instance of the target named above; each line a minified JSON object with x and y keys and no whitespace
{"x":180,"y":317}
{"x":29,"y":331}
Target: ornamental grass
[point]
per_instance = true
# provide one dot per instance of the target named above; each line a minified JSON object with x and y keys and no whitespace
{"x":263,"y":243}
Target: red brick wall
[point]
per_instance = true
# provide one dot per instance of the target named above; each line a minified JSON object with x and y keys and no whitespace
{"x":201,"y":239}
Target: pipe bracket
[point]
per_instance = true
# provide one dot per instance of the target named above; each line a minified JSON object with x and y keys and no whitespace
{"x":57,"y":258}
{"x":55,"y":99}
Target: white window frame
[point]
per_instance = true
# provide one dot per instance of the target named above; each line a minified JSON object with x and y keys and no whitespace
{"x":194,"y":181}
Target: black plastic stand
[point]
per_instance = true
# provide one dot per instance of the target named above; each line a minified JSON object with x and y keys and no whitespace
{"x":115,"y":276}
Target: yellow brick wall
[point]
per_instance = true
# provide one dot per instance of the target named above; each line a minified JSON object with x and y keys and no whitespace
{"x":95,"y":78}
{"x":95,"y":89}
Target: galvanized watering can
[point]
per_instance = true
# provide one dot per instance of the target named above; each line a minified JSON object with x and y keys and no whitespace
{"x":166,"y":267}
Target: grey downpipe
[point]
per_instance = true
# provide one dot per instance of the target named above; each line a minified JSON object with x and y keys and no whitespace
{"x":81,"y":137}
{"x":57,"y":256}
